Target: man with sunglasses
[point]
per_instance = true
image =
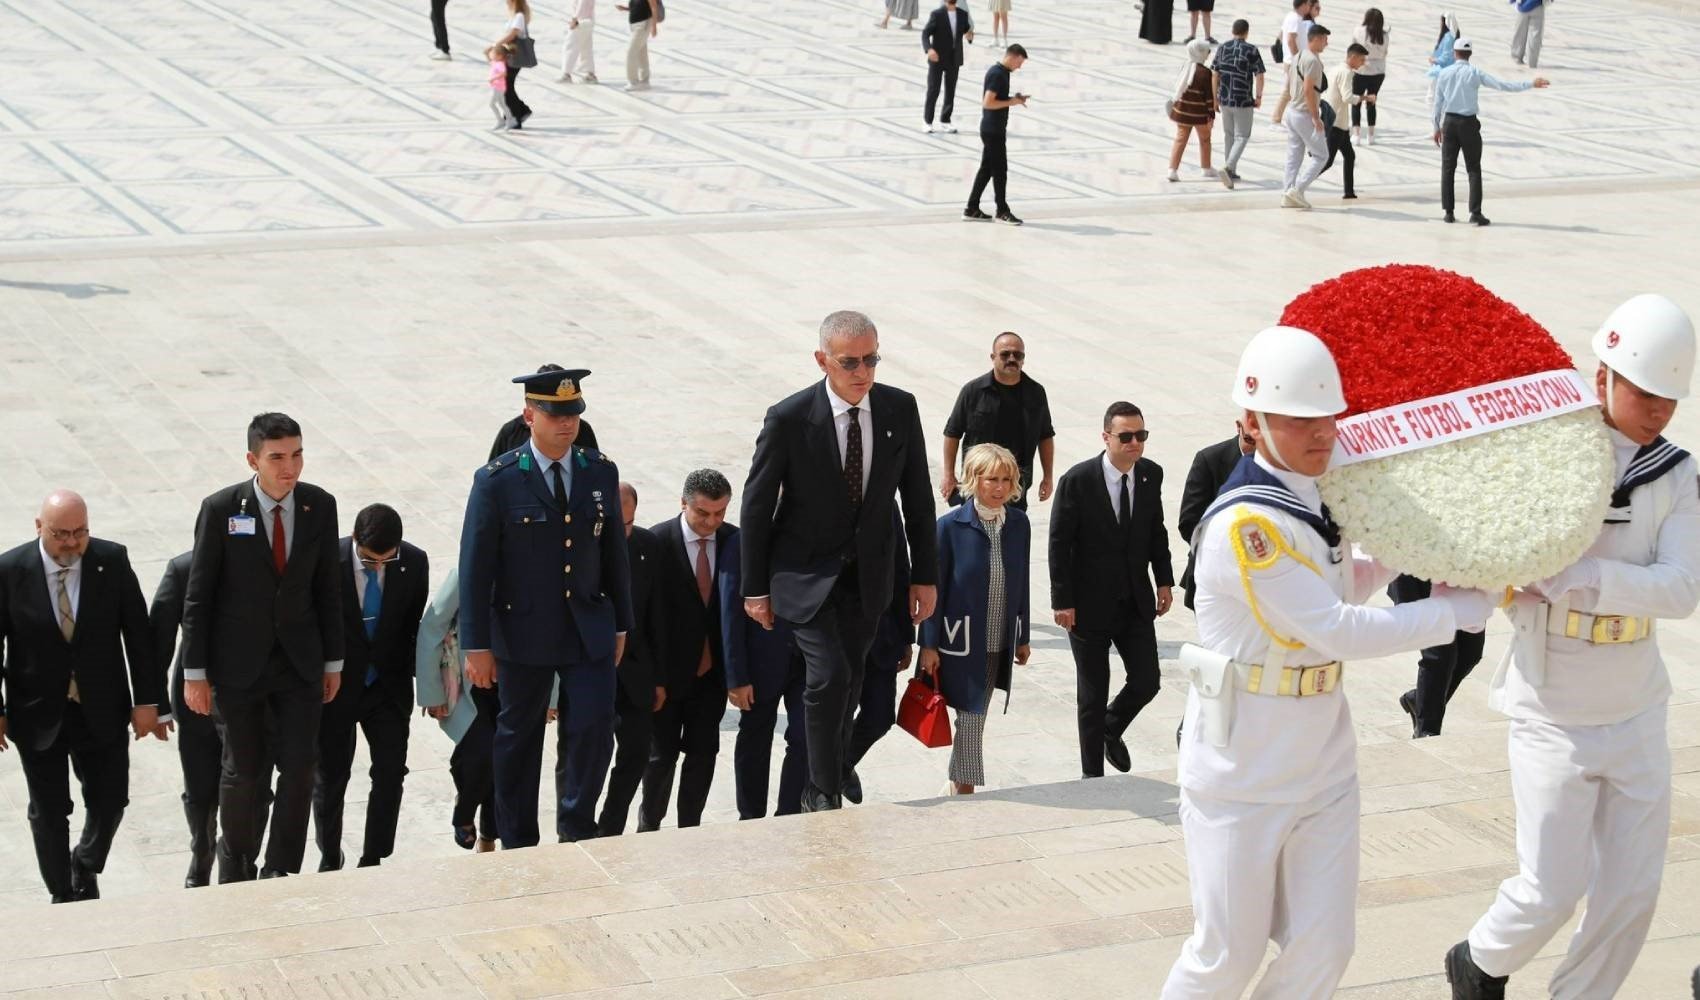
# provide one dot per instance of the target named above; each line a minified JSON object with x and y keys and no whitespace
{"x":1107,"y":545}
{"x":385,"y":587}
{"x":1005,"y":407}
{"x":818,"y":534}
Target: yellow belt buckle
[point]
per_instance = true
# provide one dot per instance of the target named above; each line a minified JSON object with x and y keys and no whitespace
{"x":1612,"y":629}
{"x":1315,"y":680}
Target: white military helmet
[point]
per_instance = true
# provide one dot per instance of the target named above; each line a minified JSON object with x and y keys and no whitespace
{"x":1290,"y":372}
{"x":1649,"y":340}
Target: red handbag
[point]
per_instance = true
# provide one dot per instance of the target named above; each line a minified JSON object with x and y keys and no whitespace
{"x":922,"y":713}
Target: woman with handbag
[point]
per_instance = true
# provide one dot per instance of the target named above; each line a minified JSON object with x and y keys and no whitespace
{"x":979,"y":627}
{"x":516,"y":41}
{"x":1193,"y":109}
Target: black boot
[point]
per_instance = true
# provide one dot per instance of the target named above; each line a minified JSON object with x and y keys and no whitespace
{"x":203,"y":841}
{"x":1469,"y":982}
{"x":1697,"y":982}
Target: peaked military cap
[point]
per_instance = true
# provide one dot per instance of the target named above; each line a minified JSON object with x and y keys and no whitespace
{"x":555,"y":390}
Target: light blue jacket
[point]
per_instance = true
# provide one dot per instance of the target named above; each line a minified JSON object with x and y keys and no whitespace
{"x":440,"y":620}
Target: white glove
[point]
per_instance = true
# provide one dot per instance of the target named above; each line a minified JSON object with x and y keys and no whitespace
{"x":1583,"y":574}
{"x":1470,"y":608}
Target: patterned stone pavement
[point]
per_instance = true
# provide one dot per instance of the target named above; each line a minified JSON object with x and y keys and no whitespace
{"x":197,"y":123}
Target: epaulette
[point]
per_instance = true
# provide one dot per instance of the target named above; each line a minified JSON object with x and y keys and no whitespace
{"x":516,"y":457}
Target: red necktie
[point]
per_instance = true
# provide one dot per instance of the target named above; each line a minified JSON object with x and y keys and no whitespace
{"x":704,"y":585}
{"x":280,"y":546}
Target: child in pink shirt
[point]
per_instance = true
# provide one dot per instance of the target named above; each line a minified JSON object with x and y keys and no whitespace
{"x":499,"y":86}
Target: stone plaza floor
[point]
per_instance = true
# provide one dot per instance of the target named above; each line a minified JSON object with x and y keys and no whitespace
{"x":235,"y":206}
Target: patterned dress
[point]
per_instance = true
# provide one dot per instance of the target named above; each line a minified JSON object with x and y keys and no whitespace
{"x":967,"y":750}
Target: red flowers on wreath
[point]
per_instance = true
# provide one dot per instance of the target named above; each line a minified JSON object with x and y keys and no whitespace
{"x":1451,"y":334}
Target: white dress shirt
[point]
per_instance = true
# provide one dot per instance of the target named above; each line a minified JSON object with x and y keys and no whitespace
{"x":841,"y":424}
{"x":73,"y":581}
{"x":1113,"y":483}
{"x":267,"y":505}
{"x":360,"y":579}
{"x":691,"y":538}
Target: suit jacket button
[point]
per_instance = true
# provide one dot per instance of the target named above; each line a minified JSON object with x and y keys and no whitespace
{"x":569,"y":543}
{"x":507,"y":607}
{"x":569,"y":519}
{"x":569,"y":594}
{"x":569,"y":569}
{"x":525,"y":520}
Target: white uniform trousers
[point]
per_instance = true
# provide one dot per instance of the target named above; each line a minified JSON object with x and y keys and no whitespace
{"x":1593,"y":819}
{"x":1263,"y":871}
{"x":578,"y":53}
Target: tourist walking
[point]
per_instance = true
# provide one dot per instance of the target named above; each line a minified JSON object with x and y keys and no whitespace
{"x":981,"y":622}
{"x":994,"y":134}
{"x":1442,"y":56}
{"x":1340,"y":94}
{"x":440,"y":30}
{"x":1526,"y":39}
{"x":908,"y":10}
{"x":1456,"y":127}
{"x":1155,"y":22}
{"x":578,"y":51}
{"x":1239,"y":93}
{"x":1000,"y":21}
{"x":1307,"y":130}
{"x":515,"y":41}
{"x":1366,"y":83}
{"x":645,"y":22}
{"x":1194,"y":10}
{"x":498,"y":60}
{"x":948,"y":28}
{"x":1193,"y":109}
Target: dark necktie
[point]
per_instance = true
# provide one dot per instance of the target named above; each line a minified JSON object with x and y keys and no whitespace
{"x":853,"y":457}
{"x":560,"y":485}
{"x":371,"y":607}
{"x":1125,"y":518}
{"x":280,"y":545}
{"x":705,"y":587}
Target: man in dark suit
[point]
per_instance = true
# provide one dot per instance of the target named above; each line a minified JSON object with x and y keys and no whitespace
{"x":200,"y":750}
{"x":1210,"y":469}
{"x":763,"y":670}
{"x":892,"y":651}
{"x":693,"y":656}
{"x":948,"y":28}
{"x":385,"y":583}
{"x":817,"y":527}
{"x":78,"y":666}
{"x":1107,"y":543}
{"x":263,"y":643}
{"x":545,"y":594}
{"x":642,"y":692}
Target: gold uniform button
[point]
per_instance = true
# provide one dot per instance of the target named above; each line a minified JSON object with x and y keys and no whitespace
{"x":569,"y":593}
{"x":569,"y":519}
{"x":569,"y":543}
{"x":569,"y":569}
{"x":525,"y":520}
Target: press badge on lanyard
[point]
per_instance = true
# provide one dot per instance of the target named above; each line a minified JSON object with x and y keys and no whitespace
{"x":242,"y":524}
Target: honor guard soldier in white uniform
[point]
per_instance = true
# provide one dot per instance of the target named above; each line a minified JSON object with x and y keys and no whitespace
{"x":1268,"y":761}
{"x":1586,"y":691}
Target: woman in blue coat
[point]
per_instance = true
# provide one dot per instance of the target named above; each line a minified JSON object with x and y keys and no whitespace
{"x":980,"y":625}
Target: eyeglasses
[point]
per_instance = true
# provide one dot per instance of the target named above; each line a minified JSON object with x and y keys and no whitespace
{"x":1013,"y":355}
{"x":1125,"y":436}
{"x":68,"y":535}
{"x":373,"y":562}
{"x":851,"y":364}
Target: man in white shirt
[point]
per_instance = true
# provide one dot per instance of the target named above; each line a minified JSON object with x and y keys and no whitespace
{"x":1587,"y":691}
{"x":1295,"y":27}
{"x":578,"y":50}
{"x":1268,"y":758}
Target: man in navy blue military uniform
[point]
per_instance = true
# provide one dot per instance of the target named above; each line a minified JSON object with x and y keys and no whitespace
{"x":546,"y":592}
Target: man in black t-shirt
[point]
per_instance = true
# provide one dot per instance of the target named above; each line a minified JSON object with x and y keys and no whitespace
{"x":644,"y":16}
{"x":1006,"y":407}
{"x":994,"y":123}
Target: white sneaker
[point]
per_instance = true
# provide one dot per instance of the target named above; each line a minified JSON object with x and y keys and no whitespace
{"x":1302,"y":200}
{"x":637,"y":86}
{"x":1290,"y":199}
{"x":1174,"y":175}
{"x":1210,"y":173}
{"x":928,"y":129}
{"x":590,"y":78}
{"x":503,"y":125}
{"x":948,"y":127}
{"x":564,"y":78}
{"x":1369,"y":137}
{"x":438,"y":55}
{"x":1226,"y":178}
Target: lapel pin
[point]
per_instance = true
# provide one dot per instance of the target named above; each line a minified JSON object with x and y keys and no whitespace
{"x":100,"y":569}
{"x":888,"y":434}
{"x":306,"y":509}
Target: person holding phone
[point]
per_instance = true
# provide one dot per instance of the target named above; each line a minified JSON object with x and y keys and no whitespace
{"x":994,"y":127}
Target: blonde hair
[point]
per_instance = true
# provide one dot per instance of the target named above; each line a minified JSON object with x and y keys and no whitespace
{"x":989,"y":459}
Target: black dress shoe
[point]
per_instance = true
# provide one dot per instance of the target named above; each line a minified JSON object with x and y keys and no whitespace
{"x":815,"y":800}
{"x":853,"y":786}
{"x":272,"y":873}
{"x":1696,"y":983}
{"x":1450,"y":218}
{"x":1479,"y":220}
{"x":1469,"y":982}
{"x":84,"y":884}
{"x":1115,"y":751}
{"x":194,"y":881}
{"x":331,"y":863}
{"x":1408,"y":702}
{"x":60,"y":897}
{"x":367,"y":863}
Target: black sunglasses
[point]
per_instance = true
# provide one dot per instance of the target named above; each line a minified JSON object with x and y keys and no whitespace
{"x":1125,"y":436}
{"x":1013,"y":355}
{"x":851,"y":364}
